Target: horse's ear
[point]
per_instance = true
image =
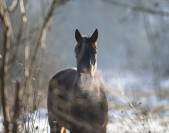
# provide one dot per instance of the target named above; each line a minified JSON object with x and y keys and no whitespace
{"x":94,"y":36}
{"x":78,"y":36}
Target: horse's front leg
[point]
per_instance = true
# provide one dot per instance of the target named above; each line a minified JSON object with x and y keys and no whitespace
{"x":63,"y":130}
{"x":55,"y":127}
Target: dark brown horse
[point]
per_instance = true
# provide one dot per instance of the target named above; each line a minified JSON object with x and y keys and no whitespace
{"x":76,"y":98}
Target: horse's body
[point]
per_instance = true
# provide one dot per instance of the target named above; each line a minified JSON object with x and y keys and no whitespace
{"x":76,"y":101}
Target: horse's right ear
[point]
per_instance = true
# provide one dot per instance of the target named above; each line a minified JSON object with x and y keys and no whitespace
{"x":94,"y":36}
{"x":78,"y":35}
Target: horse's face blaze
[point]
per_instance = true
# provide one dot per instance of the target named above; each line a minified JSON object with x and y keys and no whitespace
{"x":85,"y":51}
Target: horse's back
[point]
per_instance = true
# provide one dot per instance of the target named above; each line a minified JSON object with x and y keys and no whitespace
{"x":66,"y":77}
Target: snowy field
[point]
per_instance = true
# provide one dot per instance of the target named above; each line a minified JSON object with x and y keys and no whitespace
{"x":117,"y":123}
{"x":134,"y":107}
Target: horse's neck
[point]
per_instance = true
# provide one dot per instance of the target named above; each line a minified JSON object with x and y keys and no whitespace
{"x":89,"y":84}
{"x":85,"y":81}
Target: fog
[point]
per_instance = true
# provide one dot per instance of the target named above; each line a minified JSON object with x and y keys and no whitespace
{"x":132,"y":56}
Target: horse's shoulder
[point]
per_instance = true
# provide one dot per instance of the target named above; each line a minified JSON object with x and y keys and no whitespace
{"x":65,"y":76}
{"x":64,"y":73}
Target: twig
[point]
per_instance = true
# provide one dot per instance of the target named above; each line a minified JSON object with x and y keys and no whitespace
{"x":23,"y":12}
{"x":17,"y":107}
{"x":43,"y":29}
{"x":18,"y":38}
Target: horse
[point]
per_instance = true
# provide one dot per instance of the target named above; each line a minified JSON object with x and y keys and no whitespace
{"x":76,"y":97}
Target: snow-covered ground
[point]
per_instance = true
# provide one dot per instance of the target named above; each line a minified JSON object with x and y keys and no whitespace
{"x":117,"y":124}
{"x":140,"y":111}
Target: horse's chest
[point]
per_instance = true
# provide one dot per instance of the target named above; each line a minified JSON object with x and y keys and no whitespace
{"x":76,"y":99}
{"x":83,"y":94}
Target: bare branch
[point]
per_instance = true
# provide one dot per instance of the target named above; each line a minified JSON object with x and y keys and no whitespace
{"x":13,"y":6}
{"x":17,"y":107}
{"x":4,"y":12}
{"x":23,"y":12}
{"x":42,"y":34}
{"x":44,"y":28}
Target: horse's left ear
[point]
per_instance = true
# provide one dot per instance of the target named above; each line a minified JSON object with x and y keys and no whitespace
{"x":94,"y":36}
{"x":78,"y":36}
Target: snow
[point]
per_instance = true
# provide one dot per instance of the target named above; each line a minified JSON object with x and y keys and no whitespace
{"x":126,"y":121}
{"x":121,"y":124}
{"x":39,"y":121}
{"x":127,"y":113}
{"x":1,"y":126}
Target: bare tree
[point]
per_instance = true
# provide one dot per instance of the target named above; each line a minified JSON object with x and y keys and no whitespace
{"x":12,"y":41}
{"x":7,"y":30}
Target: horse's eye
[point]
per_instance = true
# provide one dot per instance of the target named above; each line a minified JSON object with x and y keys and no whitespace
{"x":77,"y":49}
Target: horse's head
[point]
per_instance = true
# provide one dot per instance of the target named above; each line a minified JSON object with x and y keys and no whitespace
{"x":85,"y":51}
